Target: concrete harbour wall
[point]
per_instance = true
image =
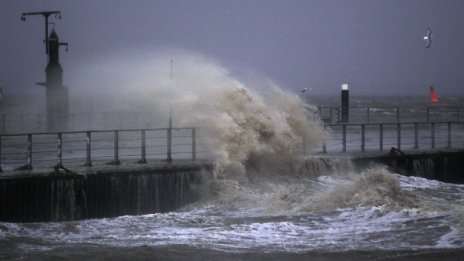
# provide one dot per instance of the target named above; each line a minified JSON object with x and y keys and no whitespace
{"x":116,"y":191}
{"x":446,"y":166}
{"x":109,"y":193}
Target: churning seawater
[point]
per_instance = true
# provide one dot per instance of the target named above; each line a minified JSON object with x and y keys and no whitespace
{"x":304,"y":218}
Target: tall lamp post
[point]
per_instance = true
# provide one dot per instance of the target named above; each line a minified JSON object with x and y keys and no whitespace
{"x":57,"y":94}
{"x":46,"y":15}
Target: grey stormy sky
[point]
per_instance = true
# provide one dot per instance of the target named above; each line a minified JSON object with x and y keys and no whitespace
{"x":376,"y":46}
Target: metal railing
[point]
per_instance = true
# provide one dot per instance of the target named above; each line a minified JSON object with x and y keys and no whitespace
{"x":87,"y":148}
{"x":59,"y":149}
{"x":361,"y":137}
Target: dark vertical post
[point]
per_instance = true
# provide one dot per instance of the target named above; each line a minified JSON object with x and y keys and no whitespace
{"x":344,"y":137}
{"x":143,"y":160}
{"x":345,"y":103}
{"x":88,"y":161}
{"x":60,"y":149}
{"x":416,"y":135}
{"x":29,"y":151}
{"x":381,"y":137}
{"x":398,"y":114}
{"x":169,"y":139}
{"x":194,"y":144}
{"x":432,"y":130}
{"x":449,"y":134}
{"x":116,"y":148}
{"x":398,"y":136}
{"x":363,"y":137}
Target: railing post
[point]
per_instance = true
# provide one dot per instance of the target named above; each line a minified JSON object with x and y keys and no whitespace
{"x":381,"y":136}
{"x":449,"y":134}
{"x":88,"y":161}
{"x":143,"y":160}
{"x":116,"y":149}
{"x":344,"y":137}
{"x":432,"y":130}
{"x":363,"y":140}
{"x":194,"y":144}
{"x":416,"y":135}
{"x":398,"y":136}
{"x":60,"y":150}
{"x":29,"y":152}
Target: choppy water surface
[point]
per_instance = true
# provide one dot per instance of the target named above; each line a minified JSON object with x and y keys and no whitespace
{"x":426,"y":221}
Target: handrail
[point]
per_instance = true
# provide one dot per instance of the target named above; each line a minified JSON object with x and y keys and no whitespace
{"x":399,"y":135}
{"x":11,"y":147}
{"x":392,"y":123}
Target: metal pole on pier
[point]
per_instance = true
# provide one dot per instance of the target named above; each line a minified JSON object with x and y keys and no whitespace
{"x":345,"y":103}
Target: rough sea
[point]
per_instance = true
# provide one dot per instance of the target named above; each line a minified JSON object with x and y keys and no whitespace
{"x":270,"y":215}
{"x":324,"y":218}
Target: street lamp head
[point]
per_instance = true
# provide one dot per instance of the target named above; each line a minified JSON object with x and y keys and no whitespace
{"x":23,"y":17}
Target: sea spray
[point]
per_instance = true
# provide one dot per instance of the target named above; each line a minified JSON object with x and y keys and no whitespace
{"x":239,"y":125}
{"x":256,"y":136}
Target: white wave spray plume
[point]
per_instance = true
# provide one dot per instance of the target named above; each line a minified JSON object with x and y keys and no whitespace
{"x":239,"y":124}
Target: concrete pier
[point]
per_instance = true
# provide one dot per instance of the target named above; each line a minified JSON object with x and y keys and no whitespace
{"x":101,"y":193}
{"x":110,"y":191}
{"x":446,"y":165}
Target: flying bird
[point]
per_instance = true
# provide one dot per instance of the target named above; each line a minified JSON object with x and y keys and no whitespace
{"x":428,"y":37}
{"x":306,"y":90}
